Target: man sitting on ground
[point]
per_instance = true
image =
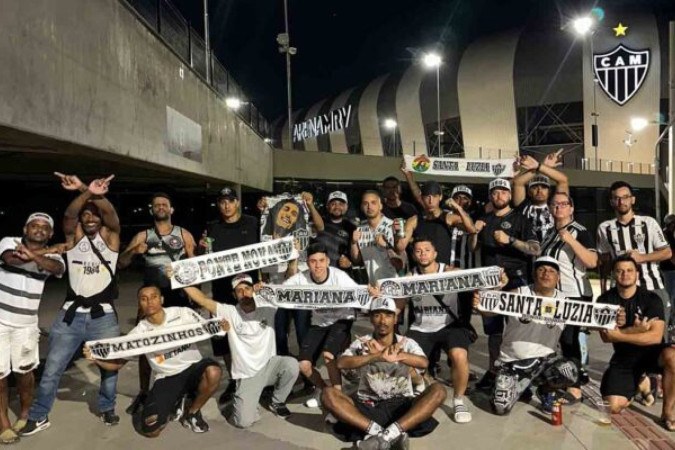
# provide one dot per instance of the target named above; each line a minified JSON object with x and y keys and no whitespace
{"x":384,"y":409}
{"x":178,"y":372}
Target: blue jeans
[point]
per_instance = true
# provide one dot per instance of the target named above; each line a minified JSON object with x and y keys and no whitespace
{"x":64,"y":341}
{"x":282,"y":319}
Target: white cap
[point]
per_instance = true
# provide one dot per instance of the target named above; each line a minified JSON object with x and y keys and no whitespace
{"x":337,"y":195}
{"x":461,"y":189}
{"x":383,"y":304}
{"x":499,"y":183}
{"x":41,"y":216}
{"x":241,"y":278}
{"x":539,"y":179}
{"x":547,"y":261}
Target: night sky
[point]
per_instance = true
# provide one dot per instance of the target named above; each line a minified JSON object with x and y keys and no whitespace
{"x":344,"y":43}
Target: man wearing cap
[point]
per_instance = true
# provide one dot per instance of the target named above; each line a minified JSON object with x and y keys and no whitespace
{"x":384,"y":413}
{"x":233,"y":230}
{"x":25,"y":264}
{"x":160,"y":245}
{"x":528,"y":349}
{"x":505,"y":239}
{"x":537,"y":177}
{"x":337,"y":230}
{"x":92,"y":231}
{"x":435,"y":223}
{"x":255,"y":363}
{"x":178,"y":372}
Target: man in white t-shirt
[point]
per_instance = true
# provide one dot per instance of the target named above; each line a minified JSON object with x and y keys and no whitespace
{"x":255,"y":363}
{"x":528,"y":352}
{"x":330,"y":328}
{"x":178,"y":372}
{"x":25,"y":264}
{"x":384,"y":409}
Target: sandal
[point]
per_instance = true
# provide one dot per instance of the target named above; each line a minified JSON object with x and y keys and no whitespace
{"x":649,"y":398}
{"x":569,"y":399}
{"x":9,"y":436}
{"x":667,"y":424}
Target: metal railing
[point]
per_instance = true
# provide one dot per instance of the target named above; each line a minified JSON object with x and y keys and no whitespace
{"x":169,"y":25}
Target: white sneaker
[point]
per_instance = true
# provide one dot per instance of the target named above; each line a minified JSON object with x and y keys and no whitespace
{"x":315,"y":400}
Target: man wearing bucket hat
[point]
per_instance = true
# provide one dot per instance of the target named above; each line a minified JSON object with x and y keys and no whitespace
{"x":505,"y":239}
{"x":25,"y":264}
{"x":384,"y":413}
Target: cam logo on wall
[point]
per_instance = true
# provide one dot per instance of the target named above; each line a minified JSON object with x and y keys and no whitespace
{"x":621,"y":72}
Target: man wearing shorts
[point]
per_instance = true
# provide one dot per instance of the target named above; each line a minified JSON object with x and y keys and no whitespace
{"x":180,"y":371}
{"x":637,"y":342}
{"x":25,"y":264}
{"x":384,"y":411}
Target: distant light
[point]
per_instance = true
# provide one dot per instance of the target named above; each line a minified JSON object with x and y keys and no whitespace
{"x":390,"y":124}
{"x":432,"y":60}
{"x":638,"y":123}
{"x":268,"y":140}
{"x":583,"y":25}
{"x":233,"y":102}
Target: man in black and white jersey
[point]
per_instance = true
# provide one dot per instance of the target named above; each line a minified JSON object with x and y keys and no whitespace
{"x":160,"y":245}
{"x":25,"y":265}
{"x":337,"y":231}
{"x":537,"y":176}
{"x":461,"y":254}
{"x":640,"y":237}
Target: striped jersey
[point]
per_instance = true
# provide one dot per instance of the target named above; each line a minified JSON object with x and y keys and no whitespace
{"x":461,"y":255}
{"x":573,"y":282}
{"x":642,"y":233}
{"x":21,"y":287}
{"x":539,"y":217}
{"x":429,"y":315}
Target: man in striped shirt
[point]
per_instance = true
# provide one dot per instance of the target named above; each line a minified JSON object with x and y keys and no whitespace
{"x":639,"y":237}
{"x":25,"y":264}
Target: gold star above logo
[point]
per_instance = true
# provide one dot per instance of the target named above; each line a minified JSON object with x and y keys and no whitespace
{"x":620,"y":30}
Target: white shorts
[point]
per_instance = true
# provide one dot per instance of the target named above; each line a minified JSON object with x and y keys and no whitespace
{"x":19,"y":350}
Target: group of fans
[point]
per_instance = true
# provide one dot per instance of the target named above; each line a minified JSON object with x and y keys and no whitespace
{"x":382,"y":388}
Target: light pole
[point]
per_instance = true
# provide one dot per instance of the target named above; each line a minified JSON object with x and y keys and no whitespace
{"x":391,"y":124}
{"x":207,"y":45}
{"x":583,"y":26}
{"x":433,"y":60}
{"x":284,"y":41}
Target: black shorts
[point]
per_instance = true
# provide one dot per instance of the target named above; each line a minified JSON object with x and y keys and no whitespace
{"x":333,"y":338}
{"x":384,"y":413}
{"x":166,"y":392}
{"x":446,"y":338}
{"x":623,"y":377}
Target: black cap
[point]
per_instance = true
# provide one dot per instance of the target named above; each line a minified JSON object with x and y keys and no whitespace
{"x":228,"y":193}
{"x":432,"y":188}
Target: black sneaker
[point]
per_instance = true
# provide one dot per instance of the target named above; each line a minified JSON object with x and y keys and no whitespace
{"x":402,"y":442}
{"x":137,"y":404}
{"x":280,"y":409}
{"x":110,"y":418}
{"x":487,"y":382}
{"x":35,"y":426}
{"x":180,"y":409}
{"x":195,"y":422}
{"x":228,"y":395}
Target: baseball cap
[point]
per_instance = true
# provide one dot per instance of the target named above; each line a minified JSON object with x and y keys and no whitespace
{"x":432,"y":188}
{"x":461,"y":189}
{"x":539,"y":179}
{"x":241,"y":278}
{"x":670,"y":218}
{"x":41,"y":216}
{"x":337,"y":195}
{"x":228,"y":193}
{"x":383,"y":304}
{"x":547,"y":261}
{"x":499,"y":183}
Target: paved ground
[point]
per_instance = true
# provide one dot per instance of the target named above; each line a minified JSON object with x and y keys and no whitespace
{"x":75,"y":427}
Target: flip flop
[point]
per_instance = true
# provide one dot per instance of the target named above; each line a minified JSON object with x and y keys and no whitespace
{"x":9,"y":436}
{"x":569,"y":399}
{"x":668,"y":425}
{"x":649,"y":398}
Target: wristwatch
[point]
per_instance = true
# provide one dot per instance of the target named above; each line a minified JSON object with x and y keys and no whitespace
{"x":512,"y":240}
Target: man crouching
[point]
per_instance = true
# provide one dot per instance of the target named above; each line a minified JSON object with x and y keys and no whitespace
{"x":178,"y":372}
{"x":384,"y":409}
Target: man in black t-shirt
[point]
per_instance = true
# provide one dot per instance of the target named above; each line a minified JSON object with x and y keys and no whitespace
{"x":337,"y":231}
{"x":505,"y":239}
{"x":394,"y":207}
{"x":638,"y":343}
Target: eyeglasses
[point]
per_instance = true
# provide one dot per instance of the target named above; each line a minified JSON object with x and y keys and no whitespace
{"x":560,"y":205}
{"x":625,"y":198}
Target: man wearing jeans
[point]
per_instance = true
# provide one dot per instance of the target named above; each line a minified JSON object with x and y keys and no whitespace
{"x":92,"y":231}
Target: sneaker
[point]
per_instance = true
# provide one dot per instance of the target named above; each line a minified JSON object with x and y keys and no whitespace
{"x":9,"y":436}
{"x":110,"y":418}
{"x":526,"y":396}
{"x":315,"y":400}
{"x":375,"y":442}
{"x":331,"y":419}
{"x":19,"y":425}
{"x":402,"y":443}
{"x":180,"y":409}
{"x":547,"y":400}
{"x":487,"y":382}
{"x":137,"y":404}
{"x":195,"y":422}
{"x":35,"y":426}
{"x":280,"y":409}
{"x":461,"y":413}
{"x":228,"y":395}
